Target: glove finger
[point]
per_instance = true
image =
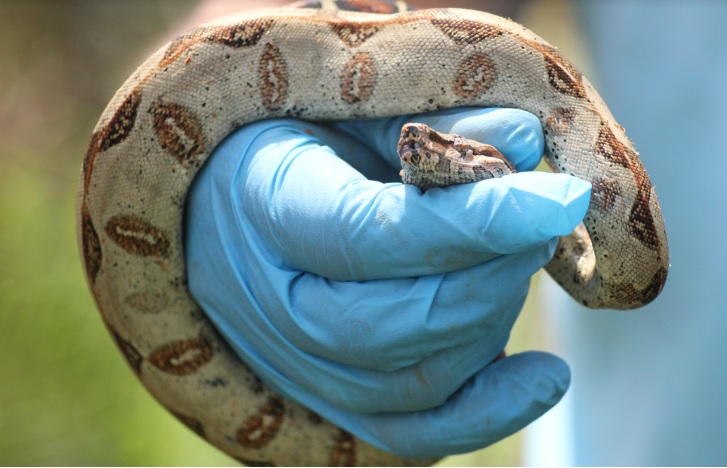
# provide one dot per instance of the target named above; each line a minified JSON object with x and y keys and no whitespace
{"x":408,"y":354}
{"x":500,"y":400}
{"x":256,"y":337}
{"x":388,"y":325}
{"x":517,"y":134}
{"x":297,"y":192}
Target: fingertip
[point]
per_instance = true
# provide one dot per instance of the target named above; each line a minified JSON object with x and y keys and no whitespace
{"x":543,"y":205}
{"x":565,"y":199}
{"x":548,"y":374}
{"x":521,"y":138}
{"x":506,"y":396}
{"x":500,"y":400}
{"x":576,"y":197}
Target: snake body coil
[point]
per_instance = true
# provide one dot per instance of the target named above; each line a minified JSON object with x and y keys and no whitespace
{"x":312,"y":64}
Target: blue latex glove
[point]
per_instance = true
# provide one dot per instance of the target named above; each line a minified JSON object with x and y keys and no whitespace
{"x":378,"y":307}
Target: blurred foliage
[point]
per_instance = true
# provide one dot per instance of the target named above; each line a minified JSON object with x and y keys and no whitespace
{"x":66,"y":396}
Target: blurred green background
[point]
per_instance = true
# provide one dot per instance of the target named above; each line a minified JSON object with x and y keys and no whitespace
{"x":66,"y":396}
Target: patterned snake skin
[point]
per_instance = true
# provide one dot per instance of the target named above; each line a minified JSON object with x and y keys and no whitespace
{"x":167,"y":118}
{"x":433,"y":159}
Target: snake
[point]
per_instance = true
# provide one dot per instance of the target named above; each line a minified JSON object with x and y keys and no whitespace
{"x":321,"y":61}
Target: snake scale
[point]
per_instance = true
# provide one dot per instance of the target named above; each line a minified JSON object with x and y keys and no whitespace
{"x":317,"y":63}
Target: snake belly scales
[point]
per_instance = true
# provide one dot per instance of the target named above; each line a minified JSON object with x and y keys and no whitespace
{"x":322,"y":64}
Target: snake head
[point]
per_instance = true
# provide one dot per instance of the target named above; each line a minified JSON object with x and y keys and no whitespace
{"x":433,"y":159}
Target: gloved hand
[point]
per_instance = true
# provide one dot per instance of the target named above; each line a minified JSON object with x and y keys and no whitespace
{"x":378,"y":307}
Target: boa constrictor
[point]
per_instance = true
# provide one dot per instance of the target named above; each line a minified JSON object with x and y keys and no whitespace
{"x":315,"y":64}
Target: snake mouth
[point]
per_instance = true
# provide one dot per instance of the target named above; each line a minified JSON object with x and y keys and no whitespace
{"x":410,"y":155}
